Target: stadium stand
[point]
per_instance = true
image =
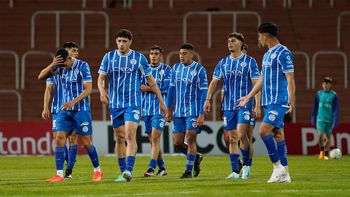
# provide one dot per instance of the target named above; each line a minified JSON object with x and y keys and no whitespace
{"x":303,"y":28}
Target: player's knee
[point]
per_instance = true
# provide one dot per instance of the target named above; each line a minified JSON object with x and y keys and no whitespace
{"x":154,"y":139}
{"x":234,"y":139}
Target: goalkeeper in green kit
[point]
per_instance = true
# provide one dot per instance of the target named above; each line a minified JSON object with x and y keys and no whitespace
{"x":325,"y":115}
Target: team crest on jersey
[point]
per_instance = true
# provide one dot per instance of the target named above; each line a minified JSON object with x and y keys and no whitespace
{"x":243,"y":64}
{"x":193,"y":73}
{"x":161,"y":72}
{"x":76,"y":71}
{"x":85,"y":129}
{"x":133,"y":61}
{"x":273,"y":56}
{"x":272,"y":117}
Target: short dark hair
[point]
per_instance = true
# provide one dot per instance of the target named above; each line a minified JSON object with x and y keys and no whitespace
{"x":157,"y":47}
{"x":70,"y":44}
{"x":269,"y":27}
{"x":63,"y":53}
{"x":237,"y":35}
{"x":124,"y":33}
{"x":187,"y":46}
{"x":327,"y":80}
{"x":245,"y":47}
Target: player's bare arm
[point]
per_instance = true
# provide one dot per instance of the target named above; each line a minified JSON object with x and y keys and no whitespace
{"x":212,"y":86}
{"x":46,"y":72}
{"x":153,"y":85}
{"x":146,"y":88}
{"x":87,"y":91}
{"x":257,"y":87}
{"x":102,"y":89}
{"x":291,"y":91}
{"x":47,"y":95}
{"x":257,"y":105}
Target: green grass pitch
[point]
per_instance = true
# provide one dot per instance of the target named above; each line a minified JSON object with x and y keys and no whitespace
{"x":25,"y":176}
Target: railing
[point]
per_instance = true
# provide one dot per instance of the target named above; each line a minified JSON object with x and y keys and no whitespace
{"x":214,"y":103}
{"x":23,"y":63}
{"x":82,"y":25}
{"x":150,"y":4}
{"x":338,"y":26}
{"x":209,"y":14}
{"x":342,"y":54}
{"x":171,"y":53}
{"x":104,"y":106}
{"x":14,"y":54}
{"x":19,"y":101}
{"x":307,"y":60}
{"x":311,"y":3}
{"x":11,"y":3}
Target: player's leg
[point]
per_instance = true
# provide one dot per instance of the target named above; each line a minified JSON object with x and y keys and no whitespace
{"x":161,"y":164}
{"x":148,"y":130}
{"x":72,"y":154}
{"x":59,"y":127}
{"x":273,"y":117}
{"x":155,"y":148}
{"x":282,"y":153}
{"x":327,"y":134}
{"x":244,"y":116}
{"x":321,"y":138}
{"x":179,"y":135}
{"x":227,"y":139}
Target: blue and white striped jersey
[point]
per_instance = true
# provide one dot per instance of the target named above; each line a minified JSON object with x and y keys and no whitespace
{"x":73,"y":80}
{"x":126,"y":71}
{"x":237,"y":74}
{"x":150,"y":102}
{"x":57,"y":100}
{"x":188,"y":81}
{"x":277,"y":61}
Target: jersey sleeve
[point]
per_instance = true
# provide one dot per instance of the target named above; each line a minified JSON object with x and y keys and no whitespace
{"x":85,"y":72}
{"x":254,"y":70}
{"x":104,"y":67}
{"x":143,"y":66}
{"x":203,"y":79}
{"x":166,"y":80}
{"x":172,"y":76}
{"x":314,"y":110}
{"x":217,"y":74}
{"x":286,"y":61}
{"x":49,"y":80}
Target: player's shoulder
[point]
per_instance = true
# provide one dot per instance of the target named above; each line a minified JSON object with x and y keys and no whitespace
{"x":249,"y":58}
{"x":333,"y":92}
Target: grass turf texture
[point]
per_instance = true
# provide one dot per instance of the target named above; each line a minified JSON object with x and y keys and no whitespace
{"x":26,"y":176}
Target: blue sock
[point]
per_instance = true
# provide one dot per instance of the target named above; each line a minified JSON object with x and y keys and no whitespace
{"x":161,"y":163}
{"x":93,"y":156}
{"x":245,"y":157}
{"x":72,"y":155}
{"x":282,"y":152}
{"x":122,"y":164}
{"x":153,"y":164}
{"x":190,"y":162}
{"x":271,"y":146}
{"x":130,"y":161}
{"x":234,"y":162}
{"x":66,"y":153}
{"x":59,"y":156}
{"x":250,"y":162}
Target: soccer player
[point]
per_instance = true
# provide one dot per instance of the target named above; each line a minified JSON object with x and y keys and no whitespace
{"x":125,"y":68}
{"x":239,"y":72}
{"x":151,"y":114}
{"x":188,"y":89}
{"x":76,"y":82}
{"x":325,"y":115}
{"x":54,"y":88}
{"x":278,"y":98}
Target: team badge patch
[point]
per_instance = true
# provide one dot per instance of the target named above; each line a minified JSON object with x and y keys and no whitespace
{"x":161,"y":72}
{"x":133,"y":61}
{"x":273,"y":56}
{"x":272,"y":117}
{"x":243,"y":64}
{"x":136,"y":116}
{"x":193,"y":73}
{"x":85,"y":129}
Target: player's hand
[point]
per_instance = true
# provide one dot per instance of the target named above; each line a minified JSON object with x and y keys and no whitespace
{"x":291,"y":108}
{"x":68,"y":105}
{"x":257,"y":112}
{"x":104,"y":97}
{"x":144,"y":88}
{"x":200,"y":120}
{"x":206,"y":106}
{"x":46,"y":114}
{"x":242,"y":101}
{"x":56,"y":61}
{"x":169,"y":116}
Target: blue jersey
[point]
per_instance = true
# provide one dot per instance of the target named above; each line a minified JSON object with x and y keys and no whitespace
{"x":126,"y":71}
{"x":73,"y":84}
{"x":277,"y":61}
{"x":237,"y":74}
{"x":188,"y":81}
{"x":150,"y":102}
{"x":57,"y":99}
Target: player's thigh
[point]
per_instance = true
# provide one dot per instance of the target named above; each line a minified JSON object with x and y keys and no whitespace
{"x":191,"y":124}
{"x":158,"y":123}
{"x":117,"y":117}
{"x":148,"y":124}
{"x":130,"y":130}
{"x":63,"y":122}
{"x":83,"y":123}
{"x":179,"y":125}
{"x":274,"y":115}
